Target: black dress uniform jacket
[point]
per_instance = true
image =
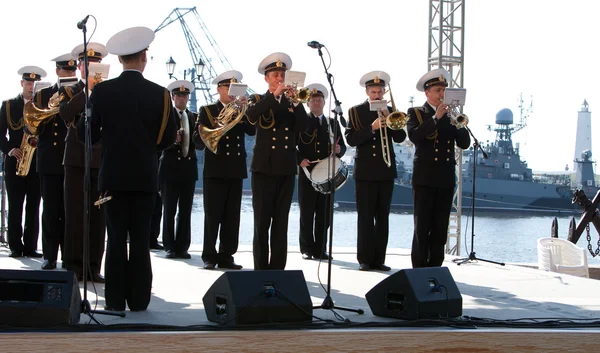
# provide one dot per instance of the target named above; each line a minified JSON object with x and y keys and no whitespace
{"x":276,"y":130}
{"x":11,"y":120}
{"x":70,"y":110}
{"x":434,"y":161}
{"x":368,"y":158}
{"x":433,"y":180}
{"x":135,"y":118}
{"x":173,"y":166}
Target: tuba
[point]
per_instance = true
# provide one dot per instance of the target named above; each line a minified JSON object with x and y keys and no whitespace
{"x":396,"y":120}
{"x":231,"y":114}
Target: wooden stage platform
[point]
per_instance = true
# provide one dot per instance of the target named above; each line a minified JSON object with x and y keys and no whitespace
{"x":505,"y":309}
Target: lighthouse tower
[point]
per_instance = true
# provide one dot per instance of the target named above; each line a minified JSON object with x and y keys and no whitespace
{"x":583,"y":139}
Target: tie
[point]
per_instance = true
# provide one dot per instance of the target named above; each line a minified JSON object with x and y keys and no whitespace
{"x":185,"y":139}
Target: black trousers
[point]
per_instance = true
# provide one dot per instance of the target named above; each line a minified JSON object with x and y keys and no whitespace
{"x":177,"y":224}
{"x":156,"y":217}
{"x":222,"y":206}
{"x":128,"y":274}
{"x":18,"y":190}
{"x":373,"y":201}
{"x":271,"y":201}
{"x":73,"y":247}
{"x":314,"y":217}
{"x":432,"y":207}
{"x":53,"y":216}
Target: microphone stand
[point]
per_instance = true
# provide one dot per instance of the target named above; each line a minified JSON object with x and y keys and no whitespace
{"x":328,"y":303}
{"x":472,"y":256}
{"x":85,"y":304}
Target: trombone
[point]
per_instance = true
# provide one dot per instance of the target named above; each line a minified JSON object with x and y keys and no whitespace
{"x":396,"y":120}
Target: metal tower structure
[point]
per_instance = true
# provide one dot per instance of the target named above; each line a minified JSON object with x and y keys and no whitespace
{"x":202,"y":80}
{"x":445,"y":50}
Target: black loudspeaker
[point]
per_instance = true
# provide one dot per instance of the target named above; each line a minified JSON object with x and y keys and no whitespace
{"x":420,"y":293}
{"x":258,"y":297}
{"x":39,"y":298}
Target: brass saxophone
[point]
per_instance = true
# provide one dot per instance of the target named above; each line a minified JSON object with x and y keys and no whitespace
{"x":28,"y":146}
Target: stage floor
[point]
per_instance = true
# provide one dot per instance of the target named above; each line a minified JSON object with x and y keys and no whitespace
{"x":491,"y":294}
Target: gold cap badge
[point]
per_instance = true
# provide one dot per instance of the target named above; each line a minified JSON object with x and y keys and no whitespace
{"x":376,"y":80}
{"x":182,"y":88}
{"x":71,"y":62}
{"x":32,"y":75}
{"x":91,"y":52}
{"x":233,"y":80}
{"x":279,"y":63}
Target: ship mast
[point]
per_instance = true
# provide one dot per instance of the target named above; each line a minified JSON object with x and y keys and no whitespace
{"x":445,"y":50}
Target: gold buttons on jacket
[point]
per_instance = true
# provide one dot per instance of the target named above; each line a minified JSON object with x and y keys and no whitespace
{"x":318,"y":151}
{"x":436,"y":149}
{"x":239,"y":153}
{"x":448,"y":141}
{"x":318,"y":143}
{"x":228,"y":153}
{"x":238,"y":145}
{"x":227,"y":145}
{"x":238,"y":137}
{"x":274,"y":138}
{"x":448,"y":150}
{"x":285,"y":146}
{"x":55,"y":124}
{"x":374,"y":146}
{"x":227,"y":137}
{"x":447,"y":159}
{"x":436,"y":141}
{"x":286,"y":129}
{"x":374,"y":155}
{"x":56,"y":134}
{"x":54,"y":143}
{"x":178,"y":158}
{"x":435,"y":159}
{"x":288,"y":138}
{"x":273,"y":147}
{"x":274,"y":129}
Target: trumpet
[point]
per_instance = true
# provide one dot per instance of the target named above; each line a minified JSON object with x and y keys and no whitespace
{"x":460,"y":120}
{"x":295,"y":95}
{"x":396,"y":120}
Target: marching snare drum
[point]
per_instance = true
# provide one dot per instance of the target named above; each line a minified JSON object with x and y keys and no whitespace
{"x":320,"y":175}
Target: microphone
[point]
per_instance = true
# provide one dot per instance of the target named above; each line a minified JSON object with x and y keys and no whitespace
{"x":82,"y":23}
{"x":315,"y":45}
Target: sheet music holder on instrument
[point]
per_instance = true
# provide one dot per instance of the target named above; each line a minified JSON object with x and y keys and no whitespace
{"x":237,"y":89}
{"x":377,"y":105}
{"x":295,"y":78}
{"x":455,"y":96}
{"x":67,"y":81}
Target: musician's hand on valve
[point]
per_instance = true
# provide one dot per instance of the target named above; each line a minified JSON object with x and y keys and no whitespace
{"x":243,"y":99}
{"x":441,"y":110}
{"x":305,"y":163}
{"x":16,"y":152}
{"x":376,"y":124}
{"x":280,"y":89}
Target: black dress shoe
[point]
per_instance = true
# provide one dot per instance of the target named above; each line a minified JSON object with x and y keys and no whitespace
{"x":364,"y":267}
{"x":48,"y":265}
{"x":15,"y":254}
{"x":156,"y":246}
{"x":382,"y":267}
{"x":171,"y":254}
{"x":230,"y":265}
{"x":33,"y":254}
{"x":97,"y":278}
{"x":184,"y":255}
{"x":323,"y":256}
{"x":306,"y":256}
{"x":209,"y":266}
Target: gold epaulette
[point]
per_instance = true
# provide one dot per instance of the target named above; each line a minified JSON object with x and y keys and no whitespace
{"x":69,"y":91}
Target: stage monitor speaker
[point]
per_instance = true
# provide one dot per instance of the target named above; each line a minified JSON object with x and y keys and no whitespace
{"x":39,"y":298}
{"x":420,"y":293}
{"x":258,"y":297}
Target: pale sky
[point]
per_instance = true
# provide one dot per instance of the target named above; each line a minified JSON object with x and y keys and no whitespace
{"x":539,"y":48}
